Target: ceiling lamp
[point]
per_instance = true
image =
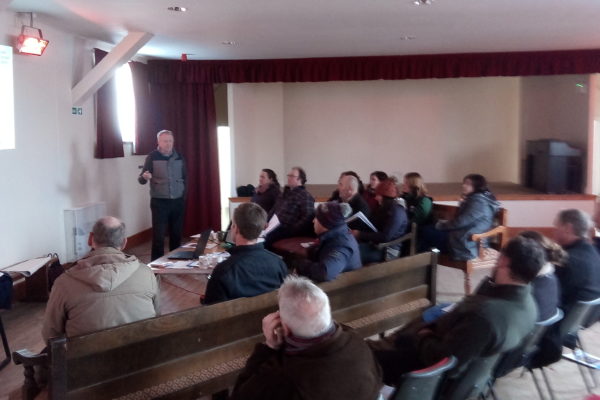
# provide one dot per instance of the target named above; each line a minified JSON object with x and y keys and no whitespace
{"x":31,"y":41}
{"x":422,"y":2}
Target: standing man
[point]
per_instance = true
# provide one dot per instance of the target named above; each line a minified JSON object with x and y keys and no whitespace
{"x":165,"y":169}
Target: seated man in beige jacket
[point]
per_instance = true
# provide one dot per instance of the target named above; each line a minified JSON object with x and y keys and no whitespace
{"x":106,"y":288}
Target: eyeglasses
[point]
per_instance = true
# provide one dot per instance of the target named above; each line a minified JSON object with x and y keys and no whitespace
{"x":292,"y":176}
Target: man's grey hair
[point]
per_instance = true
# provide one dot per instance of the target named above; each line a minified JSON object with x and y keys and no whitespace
{"x":164,"y":132}
{"x":304,"y":307}
{"x":109,"y":232}
{"x":579,"y":220}
{"x":350,"y":181}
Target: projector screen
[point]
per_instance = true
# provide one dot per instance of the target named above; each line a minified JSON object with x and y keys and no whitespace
{"x":7,"y":102}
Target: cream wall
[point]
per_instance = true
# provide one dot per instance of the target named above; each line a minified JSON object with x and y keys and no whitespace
{"x":395,"y":126}
{"x":256,"y":123}
{"x":52,"y":167}
{"x":557,"y":107}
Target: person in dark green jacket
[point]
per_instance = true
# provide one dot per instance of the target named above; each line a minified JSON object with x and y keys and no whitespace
{"x":494,"y":320}
{"x":418,"y":204}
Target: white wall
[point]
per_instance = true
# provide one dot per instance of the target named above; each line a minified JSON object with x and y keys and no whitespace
{"x":52,"y":167}
{"x":256,"y":123}
{"x":395,"y":126}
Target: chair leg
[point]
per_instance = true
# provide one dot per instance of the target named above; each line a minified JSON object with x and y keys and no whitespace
{"x":548,"y":384}
{"x":467,"y":283}
{"x":6,"y":361}
{"x":537,"y":385}
{"x":591,"y":370}
{"x":578,"y":353}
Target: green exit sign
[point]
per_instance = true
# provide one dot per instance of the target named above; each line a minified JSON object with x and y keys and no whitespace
{"x":77,"y":110}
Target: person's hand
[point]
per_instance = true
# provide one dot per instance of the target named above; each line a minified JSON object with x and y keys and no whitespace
{"x":147,"y":175}
{"x":273,"y":330}
{"x":355,"y":233}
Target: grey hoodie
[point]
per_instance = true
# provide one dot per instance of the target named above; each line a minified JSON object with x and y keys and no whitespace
{"x":104,"y":289}
{"x":475,"y":215}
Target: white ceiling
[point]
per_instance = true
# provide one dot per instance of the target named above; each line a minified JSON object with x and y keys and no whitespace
{"x":328,"y":28}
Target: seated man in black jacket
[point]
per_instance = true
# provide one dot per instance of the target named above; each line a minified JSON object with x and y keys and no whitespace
{"x":251,"y":270}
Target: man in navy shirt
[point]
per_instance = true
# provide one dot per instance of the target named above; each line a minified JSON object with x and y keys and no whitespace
{"x":251,"y":270}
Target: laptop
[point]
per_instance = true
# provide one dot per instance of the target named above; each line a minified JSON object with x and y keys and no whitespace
{"x":193,"y":255}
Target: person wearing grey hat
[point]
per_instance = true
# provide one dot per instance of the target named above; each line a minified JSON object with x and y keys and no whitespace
{"x":336,"y":250}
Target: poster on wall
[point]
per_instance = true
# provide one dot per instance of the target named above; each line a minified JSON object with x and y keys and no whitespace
{"x":7,"y":103}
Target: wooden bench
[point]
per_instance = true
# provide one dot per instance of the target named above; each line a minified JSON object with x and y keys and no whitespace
{"x":200,"y":351}
{"x":487,"y":256}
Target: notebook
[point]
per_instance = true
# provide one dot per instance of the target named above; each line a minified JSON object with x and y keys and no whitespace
{"x":190,"y":255}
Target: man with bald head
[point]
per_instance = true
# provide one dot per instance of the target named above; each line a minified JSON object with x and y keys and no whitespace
{"x":106,"y":288}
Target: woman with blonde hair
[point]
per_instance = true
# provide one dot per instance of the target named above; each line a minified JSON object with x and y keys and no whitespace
{"x":418,"y":204}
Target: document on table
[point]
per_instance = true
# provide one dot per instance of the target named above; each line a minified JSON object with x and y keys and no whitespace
{"x":29,"y":267}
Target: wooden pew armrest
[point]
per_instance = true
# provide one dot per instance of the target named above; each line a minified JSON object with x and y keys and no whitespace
{"x":29,"y":358}
{"x":395,"y":242}
{"x":499,"y":230}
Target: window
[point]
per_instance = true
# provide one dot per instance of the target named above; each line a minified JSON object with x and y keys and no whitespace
{"x":7,"y":102}
{"x":125,"y":103}
{"x":224,"y":144}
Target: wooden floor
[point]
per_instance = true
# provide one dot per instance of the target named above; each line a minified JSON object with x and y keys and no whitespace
{"x":23,"y":326}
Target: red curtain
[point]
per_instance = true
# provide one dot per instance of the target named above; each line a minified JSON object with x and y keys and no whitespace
{"x":145,"y":117}
{"x":189,"y":111}
{"x":374,"y":68}
{"x":109,"y":143}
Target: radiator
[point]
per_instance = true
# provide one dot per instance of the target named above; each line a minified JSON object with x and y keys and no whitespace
{"x":79,"y":222}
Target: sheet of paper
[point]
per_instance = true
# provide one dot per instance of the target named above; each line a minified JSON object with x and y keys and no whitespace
{"x":29,"y":267}
{"x":273,"y":223}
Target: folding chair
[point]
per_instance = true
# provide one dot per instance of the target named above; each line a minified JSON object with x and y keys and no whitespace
{"x":424,"y":383}
{"x":573,"y":323}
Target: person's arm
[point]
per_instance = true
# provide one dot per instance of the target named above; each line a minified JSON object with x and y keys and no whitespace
{"x":156,"y":291}
{"x":216,"y":288}
{"x":393,"y":224}
{"x":147,"y":168}
{"x":55,"y":316}
{"x":330,"y":264}
{"x":473,"y":210}
{"x":466,"y":340}
{"x":263,"y":378}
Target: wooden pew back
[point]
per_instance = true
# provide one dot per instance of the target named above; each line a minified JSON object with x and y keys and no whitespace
{"x":200,"y":351}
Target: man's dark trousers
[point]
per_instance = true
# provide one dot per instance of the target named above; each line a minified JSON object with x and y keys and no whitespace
{"x":166,"y":213}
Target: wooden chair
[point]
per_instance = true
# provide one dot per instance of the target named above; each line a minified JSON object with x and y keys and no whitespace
{"x":410,"y":237}
{"x":487,"y":255}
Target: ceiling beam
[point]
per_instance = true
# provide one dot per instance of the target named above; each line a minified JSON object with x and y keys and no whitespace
{"x":103,"y":71}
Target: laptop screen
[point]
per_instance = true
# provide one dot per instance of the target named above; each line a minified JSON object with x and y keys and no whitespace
{"x":202,"y":241}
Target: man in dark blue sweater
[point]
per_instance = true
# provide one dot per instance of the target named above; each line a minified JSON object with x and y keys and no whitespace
{"x":336,"y":251}
{"x":251,"y":270}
